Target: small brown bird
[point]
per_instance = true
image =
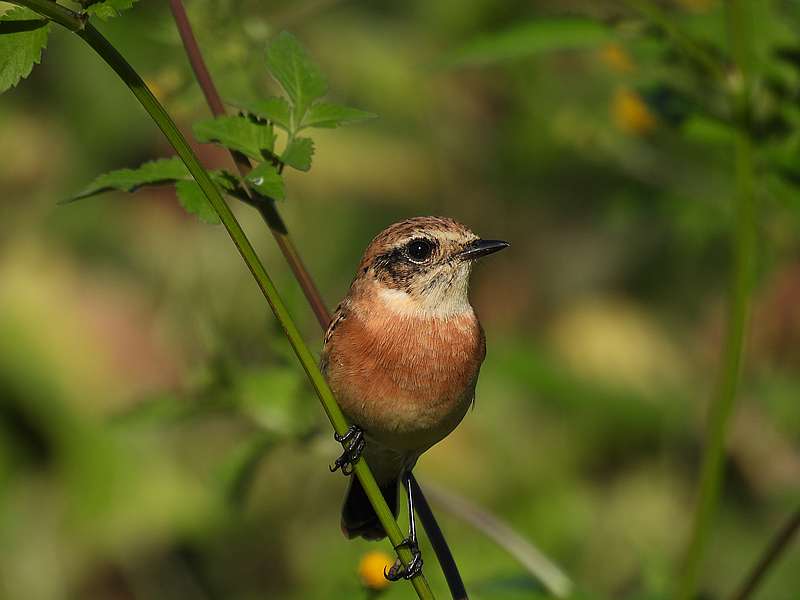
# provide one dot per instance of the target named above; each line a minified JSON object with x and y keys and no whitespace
{"x":402,"y":355}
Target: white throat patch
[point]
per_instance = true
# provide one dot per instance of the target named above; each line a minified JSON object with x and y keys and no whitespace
{"x":440,"y":306}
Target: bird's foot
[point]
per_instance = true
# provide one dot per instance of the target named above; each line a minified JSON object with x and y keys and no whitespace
{"x":414,"y":568}
{"x":353,"y":443}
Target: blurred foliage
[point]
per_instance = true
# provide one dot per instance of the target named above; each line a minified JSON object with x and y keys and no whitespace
{"x":157,"y":438}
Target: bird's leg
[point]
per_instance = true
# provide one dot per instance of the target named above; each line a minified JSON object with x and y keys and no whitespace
{"x":353,"y":443}
{"x":398,"y":571}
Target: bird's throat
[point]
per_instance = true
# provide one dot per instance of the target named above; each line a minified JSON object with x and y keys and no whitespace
{"x":434,"y":304}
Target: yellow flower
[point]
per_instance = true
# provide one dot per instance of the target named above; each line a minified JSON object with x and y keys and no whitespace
{"x":631,"y":114}
{"x":371,"y":567}
{"x":615,"y":57}
{"x":165,"y":83}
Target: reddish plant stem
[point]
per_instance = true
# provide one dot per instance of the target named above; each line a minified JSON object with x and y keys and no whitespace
{"x":196,"y":58}
{"x":265,"y":205}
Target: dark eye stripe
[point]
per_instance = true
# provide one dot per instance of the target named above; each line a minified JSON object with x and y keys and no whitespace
{"x":398,"y":266}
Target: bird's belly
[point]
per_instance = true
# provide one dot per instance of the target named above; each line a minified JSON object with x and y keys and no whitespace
{"x":418,"y":425}
{"x":410,"y":388}
{"x":406,"y":417}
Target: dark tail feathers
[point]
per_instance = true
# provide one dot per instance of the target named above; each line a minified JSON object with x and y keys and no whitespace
{"x":358,"y":518}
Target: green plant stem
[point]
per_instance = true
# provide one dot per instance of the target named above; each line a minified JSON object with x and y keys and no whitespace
{"x":744,"y":249}
{"x":139,"y":89}
{"x":56,"y":13}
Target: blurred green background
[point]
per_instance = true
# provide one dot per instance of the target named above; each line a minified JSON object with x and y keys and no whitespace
{"x":157,"y":437}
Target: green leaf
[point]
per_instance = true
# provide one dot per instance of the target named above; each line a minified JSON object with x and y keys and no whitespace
{"x":298,"y":153}
{"x":165,"y":170}
{"x":273,"y":109}
{"x":529,"y":39}
{"x":237,"y":133}
{"x":267,"y":181}
{"x":290,"y":65}
{"x":195,"y":202}
{"x":109,"y":8}
{"x":329,"y":115}
{"x":23,"y":36}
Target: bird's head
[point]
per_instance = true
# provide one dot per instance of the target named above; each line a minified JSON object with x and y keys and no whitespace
{"x":421,"y":266}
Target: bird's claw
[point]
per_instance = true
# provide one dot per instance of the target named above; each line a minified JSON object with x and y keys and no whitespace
{"x":414,"y":568}
{"x":353,"y":443}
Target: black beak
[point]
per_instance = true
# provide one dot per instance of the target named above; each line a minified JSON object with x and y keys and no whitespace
{"x":480,"y":248}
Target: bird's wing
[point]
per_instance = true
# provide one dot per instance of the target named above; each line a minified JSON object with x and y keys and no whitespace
{"x":338,"y":316}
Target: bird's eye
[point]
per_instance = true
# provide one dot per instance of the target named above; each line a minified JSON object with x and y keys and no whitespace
{"x":419,"y":250}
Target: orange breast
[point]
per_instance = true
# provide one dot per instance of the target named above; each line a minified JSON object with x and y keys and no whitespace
{"x":407,"y":381}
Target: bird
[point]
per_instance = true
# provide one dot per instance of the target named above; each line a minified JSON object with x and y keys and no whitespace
{"x":402,"y":354}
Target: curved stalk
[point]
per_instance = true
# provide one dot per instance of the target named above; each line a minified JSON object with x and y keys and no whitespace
{"x":131,"y":78}
{"x":56,"y":13}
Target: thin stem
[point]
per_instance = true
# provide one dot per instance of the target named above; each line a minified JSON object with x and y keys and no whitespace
{"x":279,"y":230}
{"x":196,"y":58}
{"x":56,"y":13}
{"x":139,"y":89}
{"x":439,"y":543}
{"x":266,"y":206}
{"x":744,"y":250}
{"x":770,"y":557}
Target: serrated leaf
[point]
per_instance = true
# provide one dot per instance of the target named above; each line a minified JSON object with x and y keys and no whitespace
{"x":267,"y":181}
{"x":273,"y":109}
{"x":23,"y":36}
{"x":292,"y":68}
{"x":165,"y":170}
{"x":329,"y":115}
{"x":298,"y":153}
{"x":237,"y":133}
{"x":109,"y":8}
{"x":528,"y":39}
{"x":194,"y":201}
{"x":161,"y":172}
